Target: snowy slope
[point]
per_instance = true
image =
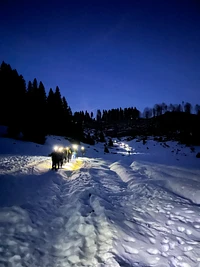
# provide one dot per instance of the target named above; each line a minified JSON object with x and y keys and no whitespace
{"x":114,"y":209}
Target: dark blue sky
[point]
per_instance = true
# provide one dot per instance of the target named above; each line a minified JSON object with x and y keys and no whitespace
{"x":106,"y":54}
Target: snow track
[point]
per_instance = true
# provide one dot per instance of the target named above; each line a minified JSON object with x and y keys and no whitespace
{"x":20,"y":164}
{"x":162,"y":222}
{"x":109,"y":211}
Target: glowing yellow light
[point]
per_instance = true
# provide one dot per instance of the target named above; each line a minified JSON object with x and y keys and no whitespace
{"x":82,"y":148}
{"x":60,"y":149}
{"x":67,"y":148}
{"x":73,"y":166}
{"x":55,"y":148}
{"x":75,"y":146}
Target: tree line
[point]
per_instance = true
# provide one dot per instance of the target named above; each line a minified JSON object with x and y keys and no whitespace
{"x":108,"y":116}
{"x":160,"y":109}
{"x":32,"y":112}
{"x":28,"y":109}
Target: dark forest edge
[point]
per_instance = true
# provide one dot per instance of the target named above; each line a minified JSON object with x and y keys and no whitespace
{"x":28,"y":110}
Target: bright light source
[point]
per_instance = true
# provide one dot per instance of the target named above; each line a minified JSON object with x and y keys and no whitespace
{"x":60,"y":149}
{"x":55,"y":148}
{"x":75,"y":146}
{"x":82,"y":148}
{"x":67,"y":148}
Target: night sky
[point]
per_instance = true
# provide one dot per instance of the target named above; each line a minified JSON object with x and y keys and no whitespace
{"x":106,"y":54}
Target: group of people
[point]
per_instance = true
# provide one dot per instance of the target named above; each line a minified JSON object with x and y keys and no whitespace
{"x":60,"y":156}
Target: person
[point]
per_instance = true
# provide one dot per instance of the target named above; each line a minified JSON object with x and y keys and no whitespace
{"x":55,"y":160}
{"x":60,"y":156}
{"x":74,"y":154}
{"x":66,"y":151}
{"x":69,"y":155}
{"x":82,"y":151}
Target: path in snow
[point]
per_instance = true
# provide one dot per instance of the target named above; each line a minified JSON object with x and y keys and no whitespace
{"x":101,"y":215}
{"x":55,"y":221}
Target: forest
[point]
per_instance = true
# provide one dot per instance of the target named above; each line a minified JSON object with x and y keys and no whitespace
{"x":31,"y":110}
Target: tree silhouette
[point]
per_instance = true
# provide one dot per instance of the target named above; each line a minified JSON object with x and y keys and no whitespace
{"x":188,"y":107}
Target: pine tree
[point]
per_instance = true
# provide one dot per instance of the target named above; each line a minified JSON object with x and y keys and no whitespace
{"x":67,"y":117}
{"x":41,"y":113}
{"x":35,"y":127}
{"x":50,"y":112}
{"x":17,"y":106}
{"x":5,"y":92}
{"x":58,"y":111}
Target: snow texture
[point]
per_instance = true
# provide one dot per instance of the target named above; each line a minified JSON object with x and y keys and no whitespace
{"x":117,"y":209}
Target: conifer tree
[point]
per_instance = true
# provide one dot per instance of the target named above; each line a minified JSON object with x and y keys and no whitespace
{"x":50,"y":112}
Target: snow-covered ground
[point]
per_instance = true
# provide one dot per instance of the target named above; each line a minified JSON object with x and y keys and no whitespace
{"x":114,"y":209}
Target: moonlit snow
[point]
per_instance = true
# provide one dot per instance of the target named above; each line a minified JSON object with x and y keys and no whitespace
{"x":113,"y":209}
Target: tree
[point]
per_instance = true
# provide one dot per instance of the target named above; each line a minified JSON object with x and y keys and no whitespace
{"x":171,"y":108}
{"x":178,"y":108}
{"x":154,"y":112}
{"x":98,"y":117}
{"x":50,"y":112}
{"x":6,"y":84}
{"x":164,"y":108}
{"x":16,"y":104}
{"x":158,"y":109}
{"x":67,"y":117}
{"x":146,"y":113}
{"x":58,"y":112}
{"x":35,"y":129}
{"x":41,"y":112}
{"x":187,"y":108}
{"x":197,"y":109}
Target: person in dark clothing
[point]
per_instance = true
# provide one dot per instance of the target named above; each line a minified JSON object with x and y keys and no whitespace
{"x":69,"y":155}
{"x":57,"y":157}
{"x":55,"y":160}
{"x":60,"y":154}
{"x":66,"y":154}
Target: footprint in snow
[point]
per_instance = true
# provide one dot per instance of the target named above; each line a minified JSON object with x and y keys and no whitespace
{"x":129,"y":239}
{"x":172,"y":245}
{"x":152,"y":240}
{"x":176,"y":217}
{"x":164,"y":254}
{"x":165,"y":241}
{"x":189,"y":211}
{"x":191,"y":242}
{"x":180,"y":229}
{"x":168,"y":206}
{"x":165,"y":248}
{"x":153,"y":251}
{"x":188,"y":232}
{"x":130,"y":250}
{"x":169,"y":222}
{"x":180,"y":240}
{"x":188,"y":248}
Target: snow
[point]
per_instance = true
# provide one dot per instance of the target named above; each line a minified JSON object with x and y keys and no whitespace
{"x":113,"y":209}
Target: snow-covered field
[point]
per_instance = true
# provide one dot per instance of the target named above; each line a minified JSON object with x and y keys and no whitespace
{"x":114,"y":209}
